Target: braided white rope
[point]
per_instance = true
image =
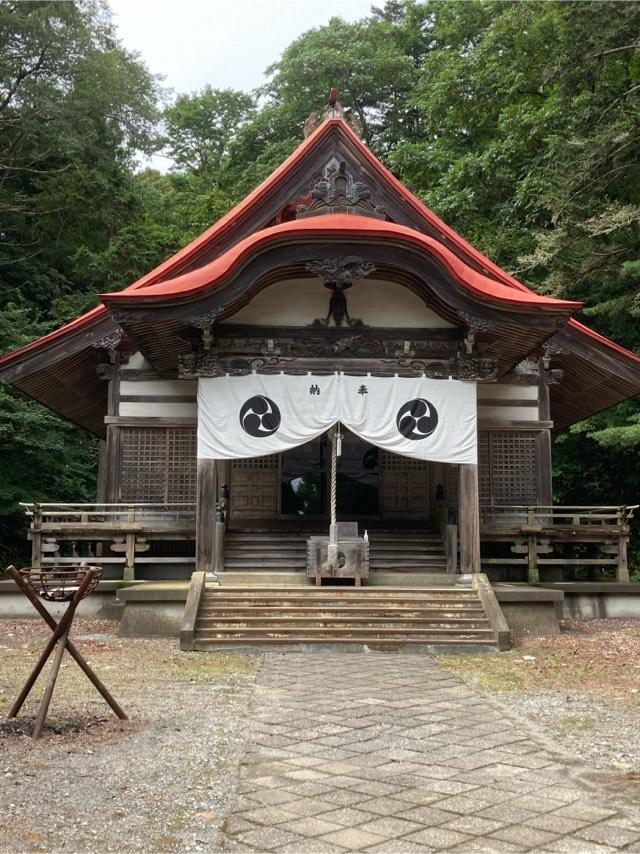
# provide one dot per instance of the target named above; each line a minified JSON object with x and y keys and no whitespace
{"x":332,"y":548}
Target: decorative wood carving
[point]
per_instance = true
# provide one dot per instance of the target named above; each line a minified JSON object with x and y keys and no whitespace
{"x":477,"y":368}
{"x":474,"y":325}
{"x":473,"y":321}
{"x":332,"y":110}
{"x":339,"y":274}
{"x":325,"y":353}
{"x":527,"y":372}
{"x":340,"y":271}
{"x":553,"y":346}
{"x":205,"y":320}
{"x":338,"y":191}
{"x":110,"y":341}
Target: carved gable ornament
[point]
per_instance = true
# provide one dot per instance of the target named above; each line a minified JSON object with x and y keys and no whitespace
{"x":339,"y":192}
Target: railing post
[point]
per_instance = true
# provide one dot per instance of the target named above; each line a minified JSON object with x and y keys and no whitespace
{"x":218,"y":560}
{"x":622,"y":570}
{"x":130,"y":549}
{"x":36,"y":537}
{"x":451,"y":548}
{"x":533,"y":575}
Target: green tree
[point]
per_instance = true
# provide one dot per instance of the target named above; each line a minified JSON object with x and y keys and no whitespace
{"x":75,"y":110}
{"x":201,"y":126}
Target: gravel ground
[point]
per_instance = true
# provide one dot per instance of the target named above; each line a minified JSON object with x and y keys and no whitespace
{"x":161,"y":781}
{"x":606,"y":735}
{"x":165,"y":779}
{"x":582,"y":687}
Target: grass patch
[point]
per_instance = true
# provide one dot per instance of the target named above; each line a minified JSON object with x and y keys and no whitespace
{"x":207,"y":666}
{"x":600,"y":658}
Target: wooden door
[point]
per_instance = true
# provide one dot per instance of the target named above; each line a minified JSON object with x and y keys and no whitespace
{"x":406,"y":487}
{"x":255,"y":488}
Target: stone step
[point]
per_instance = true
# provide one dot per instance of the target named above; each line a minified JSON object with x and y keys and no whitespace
{"x":274,"y":578}
{"x":381,"y":633}
{"x":353,"y":594}
{"x":271,"y":615}
{"x":288,"y":604}
{"x":227,"y":622}
{"x":265,"y":563}
{"x":353,"y":643}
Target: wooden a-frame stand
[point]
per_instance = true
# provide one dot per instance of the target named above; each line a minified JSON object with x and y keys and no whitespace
{"x":59,"y":641}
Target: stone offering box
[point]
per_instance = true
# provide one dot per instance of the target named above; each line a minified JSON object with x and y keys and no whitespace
{"x":353,"y":555}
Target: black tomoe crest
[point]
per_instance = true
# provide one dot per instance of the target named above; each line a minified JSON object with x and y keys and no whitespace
{"x":417,"y":419}
{"x":260,"y":416}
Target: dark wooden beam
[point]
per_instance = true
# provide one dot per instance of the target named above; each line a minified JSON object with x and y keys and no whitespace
{"x":469,"y":518}
{"x":207,"y":494}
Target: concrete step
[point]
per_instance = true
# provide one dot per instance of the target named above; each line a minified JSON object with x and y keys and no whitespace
{"x":379,"y":577}
{"x":274,"y":578}
{"x":352,"y":644}
{"x":306,"y":617}
{"x":381,"y":632}
{"x":339,"y":596}
{"x":385,"y":624}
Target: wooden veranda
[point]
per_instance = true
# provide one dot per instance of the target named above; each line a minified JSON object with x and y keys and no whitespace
{"x":532,"y":543}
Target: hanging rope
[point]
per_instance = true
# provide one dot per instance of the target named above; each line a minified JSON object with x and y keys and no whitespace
{"x":334,"y":473}
{"x":332,"y":550}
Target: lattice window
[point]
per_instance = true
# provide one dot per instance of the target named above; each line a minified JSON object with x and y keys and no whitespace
{"x":484,"y":467}
{"x":158,"y":464}
{"x":257,"y":463}
{"x":507,"y":467}
{"x":395,"y":462}
{"x":182,"y":451}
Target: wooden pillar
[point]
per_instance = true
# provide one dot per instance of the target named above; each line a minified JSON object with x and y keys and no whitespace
{"x":101,"y":491}
{"x":206,"y":497}
{"x":222,"y":472}
{"x":622,"y":570}
{"x":469,"y":519}
{"x":543,"y":442}
{"x":112,"y":476}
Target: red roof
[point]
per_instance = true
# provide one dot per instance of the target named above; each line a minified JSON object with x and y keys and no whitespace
{"x":336,"y":226}
{"x":495,"y":284}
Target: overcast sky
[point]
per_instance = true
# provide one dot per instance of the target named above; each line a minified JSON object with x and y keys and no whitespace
{"x":226,"y":43}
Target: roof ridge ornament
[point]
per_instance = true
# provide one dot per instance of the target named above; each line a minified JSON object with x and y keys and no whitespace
{"x":333,"y":109}
{"x":338,"y":191}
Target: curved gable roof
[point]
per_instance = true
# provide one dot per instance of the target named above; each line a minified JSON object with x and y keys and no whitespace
{"x":69,"y":347}
{"x":337,"y":225}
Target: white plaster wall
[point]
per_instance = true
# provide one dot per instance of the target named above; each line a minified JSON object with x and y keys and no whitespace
{"x":507,"y":413}
{"x":161,"y":409}
{"x":168,"y":388}
{"x":505,"y":391}
{"x":298,"y":302}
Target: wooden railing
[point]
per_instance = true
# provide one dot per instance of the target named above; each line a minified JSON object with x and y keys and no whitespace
{"x":117,"y":534}
{"x":568,"y":516}
{"x":536,"y":534}
{"x":109,"y":514}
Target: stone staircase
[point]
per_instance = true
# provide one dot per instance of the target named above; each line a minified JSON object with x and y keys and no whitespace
{"x":385,"y":618}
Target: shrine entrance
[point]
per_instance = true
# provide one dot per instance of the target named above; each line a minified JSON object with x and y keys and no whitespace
{"x":305,"y":473}
{"x":374,"y":486}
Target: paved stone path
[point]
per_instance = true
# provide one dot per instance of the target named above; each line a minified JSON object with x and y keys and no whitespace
{"x":389,"y":753}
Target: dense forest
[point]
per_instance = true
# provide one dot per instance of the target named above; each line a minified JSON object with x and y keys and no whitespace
{"x":517,"y":122}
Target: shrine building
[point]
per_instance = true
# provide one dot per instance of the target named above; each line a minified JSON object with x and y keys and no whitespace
{"x":328,"y":359}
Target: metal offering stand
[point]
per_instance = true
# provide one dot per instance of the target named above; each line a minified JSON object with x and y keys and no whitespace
{"x":57,"y":584}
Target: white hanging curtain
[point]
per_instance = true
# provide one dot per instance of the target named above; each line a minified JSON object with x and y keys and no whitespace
{"x":259,"y":414}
